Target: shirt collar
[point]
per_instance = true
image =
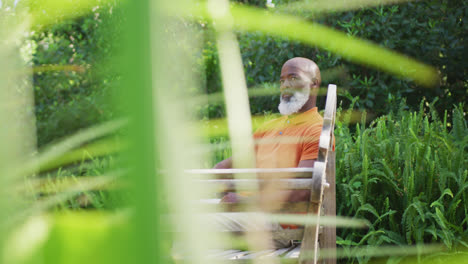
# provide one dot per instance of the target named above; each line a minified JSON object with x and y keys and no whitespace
{"x":301,"y":117}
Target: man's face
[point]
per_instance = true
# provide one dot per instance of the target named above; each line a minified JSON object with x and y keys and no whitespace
{"x":295,"y":89}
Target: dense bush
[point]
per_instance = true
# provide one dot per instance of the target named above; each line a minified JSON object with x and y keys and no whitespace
{"x":432,"y":31}
{"x":407,"y":174}
{"x":70,"y":98}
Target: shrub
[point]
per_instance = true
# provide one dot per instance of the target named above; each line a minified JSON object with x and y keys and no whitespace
{"x":73,"y":97}
{"x":407,"y":174}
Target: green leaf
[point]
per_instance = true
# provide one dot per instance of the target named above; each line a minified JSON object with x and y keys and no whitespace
{"x":368,"y":208}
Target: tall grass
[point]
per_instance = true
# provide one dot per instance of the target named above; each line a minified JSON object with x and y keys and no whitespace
{"x":407,"y":174}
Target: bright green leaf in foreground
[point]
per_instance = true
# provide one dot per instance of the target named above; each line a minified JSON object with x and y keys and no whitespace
{"x":354,"y":49}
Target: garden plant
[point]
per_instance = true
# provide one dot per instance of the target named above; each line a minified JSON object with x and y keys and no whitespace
{"x":104,"y":103}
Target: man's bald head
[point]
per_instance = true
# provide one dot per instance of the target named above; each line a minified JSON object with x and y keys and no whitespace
{"x":305,"y":65}
{"x":300,"y":81}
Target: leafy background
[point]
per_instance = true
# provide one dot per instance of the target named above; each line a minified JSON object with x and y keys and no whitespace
{"x":404,"y":167}
{"x":430,"y":31}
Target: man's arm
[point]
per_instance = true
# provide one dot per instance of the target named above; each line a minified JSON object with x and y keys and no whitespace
{"x":306,"y":163}
{"x":301,"y":195}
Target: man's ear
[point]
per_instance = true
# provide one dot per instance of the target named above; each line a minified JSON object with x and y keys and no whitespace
{"x":314,"y":83}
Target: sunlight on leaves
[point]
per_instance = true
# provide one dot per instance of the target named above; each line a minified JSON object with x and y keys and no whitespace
{"x":325,"y":6}
{"x":47,"y":12}
{"x":93,"y":150}
{"x":372,"y":251}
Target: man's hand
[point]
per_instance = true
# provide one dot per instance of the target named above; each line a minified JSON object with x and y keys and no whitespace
{"x":230,"y":198}
{"x":225,"y":164}
{"x":306,"y":164}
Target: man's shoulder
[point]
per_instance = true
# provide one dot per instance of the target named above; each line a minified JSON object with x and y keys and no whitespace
{"x":308,"y":119}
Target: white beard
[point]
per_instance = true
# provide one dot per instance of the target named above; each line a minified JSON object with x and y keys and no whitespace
{"x":295,"y":103}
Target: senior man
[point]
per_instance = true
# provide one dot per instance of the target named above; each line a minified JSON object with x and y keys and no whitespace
{"x":292,"y":140}
{"x":289,"y":141}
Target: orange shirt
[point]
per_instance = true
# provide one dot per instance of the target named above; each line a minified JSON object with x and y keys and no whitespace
{"x":285,"y":141}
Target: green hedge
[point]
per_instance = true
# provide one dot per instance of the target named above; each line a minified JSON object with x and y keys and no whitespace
{"x":73,"y":98}
{"x":430,"y":31}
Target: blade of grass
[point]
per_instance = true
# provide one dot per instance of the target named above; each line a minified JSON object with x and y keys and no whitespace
{"x":50,"y":156}
{"x":143,"y":157}
{"x":351,"y":48}
{"x":96,"y":149}
{"x":66,"y":68}
{"x":67,"y":193}
{"x":238,"y":110}
{"x":381,"y":251}
{"x":324,"y":220}
{"x":219,"y":127}
{"x":17,"y":132}
{"x":324,"y":6}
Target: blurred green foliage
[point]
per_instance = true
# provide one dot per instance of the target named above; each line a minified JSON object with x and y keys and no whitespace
{"x":412,"y":164}
{"x":79,"y":96}
{"x":431,"y":31}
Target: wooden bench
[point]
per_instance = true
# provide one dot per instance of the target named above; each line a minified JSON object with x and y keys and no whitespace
{"x":320,"y":180}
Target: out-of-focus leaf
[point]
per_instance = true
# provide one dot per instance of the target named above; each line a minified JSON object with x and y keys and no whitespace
{"x":93,"y":150}
{"x":352,"y":48}
{"x":324,"y":220}
{"x":380,"y":251}
{"x":47,"y":12}
{"x":323,"y":6}
{"x":72,"y":237}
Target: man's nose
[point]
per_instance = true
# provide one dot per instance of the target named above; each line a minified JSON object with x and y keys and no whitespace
{"x":285,"y":85}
